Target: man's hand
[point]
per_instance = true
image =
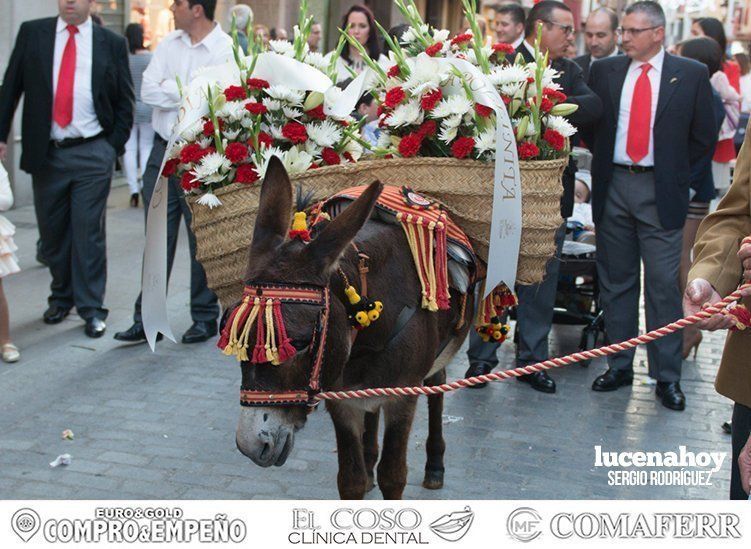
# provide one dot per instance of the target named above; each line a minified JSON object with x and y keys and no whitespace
{"x":3,"y":150}
{"x":744,"y":465}
{"x":699,"y":294}
{"x":744,"y":254}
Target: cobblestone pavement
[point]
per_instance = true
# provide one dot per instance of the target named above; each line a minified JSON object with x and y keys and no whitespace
{"x":162,"y":425}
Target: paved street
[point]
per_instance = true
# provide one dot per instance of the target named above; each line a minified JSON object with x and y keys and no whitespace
{"x":162,"y":425}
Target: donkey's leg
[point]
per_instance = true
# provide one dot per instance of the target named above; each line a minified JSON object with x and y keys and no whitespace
{"x":370,"y":445}
{"x":435,"y":445}
{"x":349,"y":421}
{"x":392,"y":469}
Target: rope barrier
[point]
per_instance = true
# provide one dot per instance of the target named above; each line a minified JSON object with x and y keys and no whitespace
{"x":573,"y":358}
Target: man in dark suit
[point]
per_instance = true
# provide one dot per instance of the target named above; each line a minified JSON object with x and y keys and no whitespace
{"x":77,"y":115}
{"x":657,"y":123}
{"x":536,"y":302}
{"x":600,"y":38}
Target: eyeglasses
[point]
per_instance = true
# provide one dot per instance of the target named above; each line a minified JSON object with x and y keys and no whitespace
{"x":568,"y":30}
{"x":634,"y":32}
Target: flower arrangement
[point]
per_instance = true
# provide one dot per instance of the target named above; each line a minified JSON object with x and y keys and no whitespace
{"x":251,"y":119}
{"x":427,"y":106}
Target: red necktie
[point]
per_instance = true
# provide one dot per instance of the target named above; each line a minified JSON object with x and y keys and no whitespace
{"x":637,"y":144}
{"x":63,"y":111}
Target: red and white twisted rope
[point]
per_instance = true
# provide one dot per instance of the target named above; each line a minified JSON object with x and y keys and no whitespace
{"x":707,"y":312}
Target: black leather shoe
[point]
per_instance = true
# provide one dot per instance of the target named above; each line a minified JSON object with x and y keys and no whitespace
{"x":612,"y":379}
{"x":134,"y":334}
{"x":200,"y":331}
{"x":95,"y":327}
{"x":540,"y":381}
{"x":671,"y":394}
{"x":477,"y":369}
{"x":55,"y":314}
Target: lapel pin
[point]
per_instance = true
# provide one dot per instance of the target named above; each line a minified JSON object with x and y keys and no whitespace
{"x":674,"y":80}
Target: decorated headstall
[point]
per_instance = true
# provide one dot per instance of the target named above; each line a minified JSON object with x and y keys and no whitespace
{"x":262,"y":304}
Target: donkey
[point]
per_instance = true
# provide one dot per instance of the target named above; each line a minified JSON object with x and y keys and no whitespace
{"x":391,"y":352}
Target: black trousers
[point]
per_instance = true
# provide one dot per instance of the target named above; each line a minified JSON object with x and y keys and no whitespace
{"x":70,"y":200}
{"x":741,"y":430}
{"x":203,"y":302}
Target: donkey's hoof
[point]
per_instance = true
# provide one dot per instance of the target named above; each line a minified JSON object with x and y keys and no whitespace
{"x":433,"y":480}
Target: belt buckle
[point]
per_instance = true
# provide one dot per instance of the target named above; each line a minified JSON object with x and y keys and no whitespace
{"x":633,"y":169}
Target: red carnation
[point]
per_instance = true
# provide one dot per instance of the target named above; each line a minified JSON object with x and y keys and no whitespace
{"x":295,"y":132}
{"x":264,"y":139}
{"x":393,"y":97}
{"x":236,"y":152}
{"x":169,"y":167}
{"x":246,"y":173}
{"x":256,"y":108}
{"x":546,"y":104}
{"x":427,"y":128}
{"x":483,"y":111}
{"x":208,"y":128}
{"x":191,"y":153}
{"x":502,"y":47}
{"x":527,"y":150}
{"x":188,"y":181}
{"x":330,"y":157}
{"x":410,"y":145}
{"x":348,"y":156}
{"x":317,"y":113}
{"x":393,"y":72}
{"x":554,"y":95}
{"x":461,"y":39}
{"x":554,"y":139}
{"x":257,"y":84}
{"x":235,"y":93}
{"x":434,"y":49}
{"x":431,"y":99}
{"x":462,"y":147}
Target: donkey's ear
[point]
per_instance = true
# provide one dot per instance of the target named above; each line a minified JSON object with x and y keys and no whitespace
{"x":326,"y":248}
{"x":274,"y":209}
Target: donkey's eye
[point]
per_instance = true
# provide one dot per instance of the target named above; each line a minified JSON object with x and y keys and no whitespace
{"x":301,"y":345}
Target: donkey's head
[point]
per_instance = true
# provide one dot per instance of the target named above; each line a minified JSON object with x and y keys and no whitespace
{"x":265,"y":432}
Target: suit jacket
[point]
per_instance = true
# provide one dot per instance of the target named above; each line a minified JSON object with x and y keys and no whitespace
{"x":29,"y":73}
{"x":715,"y":260}
{"x":684,"y":131}
{"x":590,"y":108}
{"x":585,"y":61}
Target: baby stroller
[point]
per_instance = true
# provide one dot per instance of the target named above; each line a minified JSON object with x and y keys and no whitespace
{"x":578,"y":301}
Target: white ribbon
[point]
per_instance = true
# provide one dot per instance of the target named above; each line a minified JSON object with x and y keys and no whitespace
{"x":506,"y":219}
{"x":276,"y":70}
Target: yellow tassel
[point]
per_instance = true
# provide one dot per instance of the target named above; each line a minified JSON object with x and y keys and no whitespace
{"x":243,"y":341}
{"x":231,"y":347}
{"x":272,"y":352}
{"x":352,"y":296}
{"x":299,"y":222}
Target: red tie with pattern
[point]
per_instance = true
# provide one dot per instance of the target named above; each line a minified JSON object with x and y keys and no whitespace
{"x":637,"y":144}
{"x":63,"y":111}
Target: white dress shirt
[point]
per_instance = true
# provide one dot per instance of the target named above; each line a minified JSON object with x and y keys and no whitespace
{"x":620,"y":156}
{"x":613,"y":53}
{"x":518,"y":41}
{"x":85,"y":122}
{"x":176,"y":56}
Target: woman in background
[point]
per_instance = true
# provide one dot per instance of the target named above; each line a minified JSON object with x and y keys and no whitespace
{"x":745,"y":81}
{"x":138,"y":147}
{"x":360,"y":24}
{"x":8,"y":265}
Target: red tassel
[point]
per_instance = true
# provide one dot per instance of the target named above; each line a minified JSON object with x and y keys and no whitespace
{"x":303,"y":235}
{"x":441,"y":265}
{"x":286,"y":350}
{"x":259,"y":351}
{"x":224,"y":338}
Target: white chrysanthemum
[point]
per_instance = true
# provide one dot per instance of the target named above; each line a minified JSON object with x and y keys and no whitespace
{"x":548,"y":75}
{"x":511,"y":90}
{"x":212,"y":168}
{"x":447,"y":134}
{"x":455,"y":104}
{"x":424,"y":75}
{"x":453,"y":121}
{"x":353,"y":148}
{"x":289,"y":112}
{"x":205,"y":142}
{"x":406,"y":114}
{"x":511,"y":74}
{"x":408,"y":36}
{"x":210,"y":199}
{"x":440,"y":35}
{"x":282,"y":47}
{"x":561,"y":125}
{"x":191,"y":132}
{"x":317,"y":60}
{"x":485,"y":142}
{"x":283,"y":93}
{"x":325,"y":134}
{"x":271,"y":104}
{"x":297,"y":160}
{"x":233,"y":111}
{"x":274,"y":131}
{"x":231,"y":134}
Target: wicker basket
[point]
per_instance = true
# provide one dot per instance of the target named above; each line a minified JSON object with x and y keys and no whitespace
{"x":223,"y":234}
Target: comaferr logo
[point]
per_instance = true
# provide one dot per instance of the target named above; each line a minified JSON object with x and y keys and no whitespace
{"x":647,"y":526}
